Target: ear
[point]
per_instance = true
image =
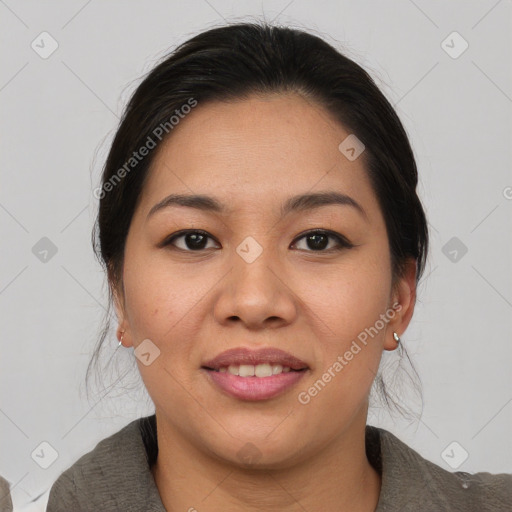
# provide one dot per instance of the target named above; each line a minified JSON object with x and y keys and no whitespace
{"x":119,"y":305}
{"x":403,"y":296}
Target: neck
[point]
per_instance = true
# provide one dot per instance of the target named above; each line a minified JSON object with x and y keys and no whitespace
{"x":339,"y":477}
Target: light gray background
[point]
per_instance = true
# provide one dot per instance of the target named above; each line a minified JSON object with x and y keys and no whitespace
{"x":59,"y":115}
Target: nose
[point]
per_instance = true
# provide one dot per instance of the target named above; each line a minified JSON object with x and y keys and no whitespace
{"x":257,"y":295}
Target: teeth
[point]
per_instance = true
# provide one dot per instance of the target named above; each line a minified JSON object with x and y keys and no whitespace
{"x":233,"y":369}
{"x":263,"y":370}
{"x":276,"y":368}
{"x":246,"y":370}
{"x":259,"y":370}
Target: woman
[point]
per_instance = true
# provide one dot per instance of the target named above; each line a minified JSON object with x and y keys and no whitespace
{"x":263,"y":240}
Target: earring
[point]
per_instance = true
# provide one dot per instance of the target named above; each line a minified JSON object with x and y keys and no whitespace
{"x":397,"y":338}
{"x":121,"y":340}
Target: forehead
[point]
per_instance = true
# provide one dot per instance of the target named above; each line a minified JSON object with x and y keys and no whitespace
{"x":256,"y":151}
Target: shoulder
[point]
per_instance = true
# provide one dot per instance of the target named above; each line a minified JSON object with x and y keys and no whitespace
{"x":5,"y":495}
{"x":411,"y":482}
{"x":115,"y":475}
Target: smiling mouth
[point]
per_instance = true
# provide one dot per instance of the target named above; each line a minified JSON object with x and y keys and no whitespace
{"x":259,"y":370}
{"x":257,"y":382}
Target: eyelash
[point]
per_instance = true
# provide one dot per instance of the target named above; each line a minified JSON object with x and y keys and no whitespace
{"x":342,"y":242}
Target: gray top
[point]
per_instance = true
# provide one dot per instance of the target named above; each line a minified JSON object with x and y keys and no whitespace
{"x":5,"y":496}
{"x":116,"y":476}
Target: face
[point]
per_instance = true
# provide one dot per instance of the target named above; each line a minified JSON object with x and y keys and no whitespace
{"x":253,"y":274}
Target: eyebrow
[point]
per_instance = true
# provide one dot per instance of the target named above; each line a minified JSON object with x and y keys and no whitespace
{"x":299,"y":203}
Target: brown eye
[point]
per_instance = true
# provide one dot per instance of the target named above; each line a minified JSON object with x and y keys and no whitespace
{"x":191,"y":240}
{"x":318,"y":241}
{"x":315,"y":241}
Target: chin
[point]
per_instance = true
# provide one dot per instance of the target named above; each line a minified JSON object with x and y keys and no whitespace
{"x":258,"y":452}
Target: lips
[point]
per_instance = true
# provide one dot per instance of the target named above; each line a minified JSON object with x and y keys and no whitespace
{"x":254,"y":374}
{"x":244,"y":356}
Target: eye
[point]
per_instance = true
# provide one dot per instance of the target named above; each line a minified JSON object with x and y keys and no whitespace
{"x":318,"y":240}
{"x":193,"y":240}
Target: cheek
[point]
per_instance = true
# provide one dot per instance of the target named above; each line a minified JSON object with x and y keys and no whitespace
{"x":165,"y":304}
{"x":160,"y":296}
{"x":348,"y":359}
{"x":348,"y":307}
{"x":160,"y":308}
{"x":349,"y":297}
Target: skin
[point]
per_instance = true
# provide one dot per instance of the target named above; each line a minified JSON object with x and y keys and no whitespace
{"x":252,"y":155}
